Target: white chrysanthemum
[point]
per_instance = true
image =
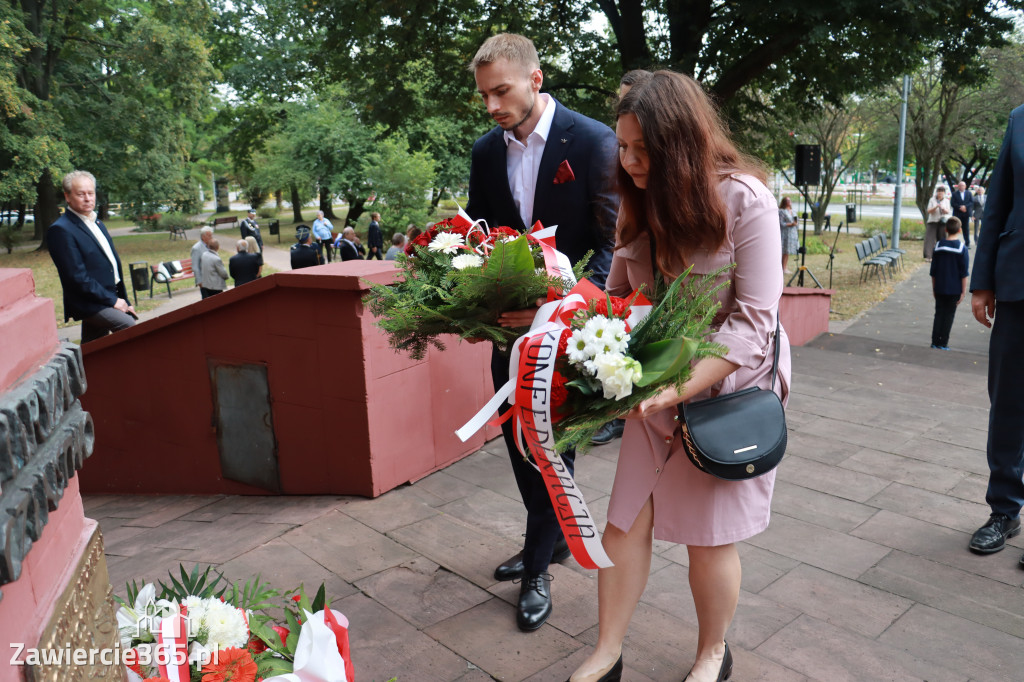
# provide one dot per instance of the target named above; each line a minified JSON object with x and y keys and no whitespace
{"x":577,"y":347}
{"x":617,"y":373}
{"x":449,"y":242}
{"x":225,"y":625}
{"x":614,"y":338}
{"x":195,"y":610}
{"x":467,"y":260}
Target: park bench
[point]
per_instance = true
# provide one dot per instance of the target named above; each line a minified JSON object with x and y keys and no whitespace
{"x":170,"y":271}
{"x":177,"y":231}
{"x":225,"y":220}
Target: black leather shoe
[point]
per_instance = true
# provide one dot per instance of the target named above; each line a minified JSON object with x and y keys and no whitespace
{"x":534,"y":601}
{"x":1021,"y":563}
{"x":993,"y":535}
{"x":724,"y":672}
{"x":609,"y":432}
{"x":613,"y":675}
{"x":513,"y":567}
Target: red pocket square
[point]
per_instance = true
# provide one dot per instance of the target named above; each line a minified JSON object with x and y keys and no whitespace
{"x":564,"y":173}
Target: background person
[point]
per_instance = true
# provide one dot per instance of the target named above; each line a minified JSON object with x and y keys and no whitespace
{"x":322,"y":230}
{"x":397,"y":246}
{"x":790,"y":238}
{"x":949,"y":282}
{"x":939,"y":211}
{"x":249,"y":227}
{"x":962,"y":203}
{"x":675,"y":154}
{"x":198,"y":249}
{"x":347,"y":246}
{"x":255,"y":248}
{"x":375,"y":238}
{"x":88,"y":264}
{"x":244,"y":267}
{"x":215,"y":275}
{"x":303,"y":253}
{"x":979,"y":209}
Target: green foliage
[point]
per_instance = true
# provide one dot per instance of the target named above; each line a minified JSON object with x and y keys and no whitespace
{"x":195,"y":584}
{"x":682,"y":315}
{"x":401,"y":180}
{"x":10,"y":235}
{"x":434,"y":298}
{"x":170,"y":221}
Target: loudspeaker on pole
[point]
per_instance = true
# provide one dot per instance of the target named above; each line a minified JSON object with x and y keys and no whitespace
{"x":808,"y":164}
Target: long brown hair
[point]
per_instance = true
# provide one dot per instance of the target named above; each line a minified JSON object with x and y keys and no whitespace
{"x":689,"y":153}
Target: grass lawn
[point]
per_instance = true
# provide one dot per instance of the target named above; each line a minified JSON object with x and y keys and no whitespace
{"x":151,"y":248}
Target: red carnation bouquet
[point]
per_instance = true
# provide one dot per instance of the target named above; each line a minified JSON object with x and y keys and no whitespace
{"x":459,"y":276}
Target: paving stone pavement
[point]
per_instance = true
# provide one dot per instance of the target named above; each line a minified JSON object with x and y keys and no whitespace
{"x":863,"y":574}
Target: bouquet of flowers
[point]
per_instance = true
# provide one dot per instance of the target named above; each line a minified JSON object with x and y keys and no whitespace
{"x":600,"y":356}
{"x":616,"y":353}
{"x":459,"y":276}
{"x":202,"y":630}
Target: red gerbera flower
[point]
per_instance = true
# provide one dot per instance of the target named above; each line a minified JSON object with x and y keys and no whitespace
{"x":230,"y":665}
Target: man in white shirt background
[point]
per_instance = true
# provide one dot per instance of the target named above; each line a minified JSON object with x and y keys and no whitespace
{"x":88,"y":264}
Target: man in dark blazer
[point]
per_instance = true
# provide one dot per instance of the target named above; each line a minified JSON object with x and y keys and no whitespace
{"x":997,"y":281}
{"x":962,"y":203}
{"x":346,"y":245}
{"x":374,"y":238}
{"x":542,"y":162}
{"x":244,"y":266}
{"x":249,"y":228}
{"x":88,"y":264}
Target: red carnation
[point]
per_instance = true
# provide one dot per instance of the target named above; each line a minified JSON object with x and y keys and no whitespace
{"x":559,"y":396}
{"x":563,"y":341}
{"x":619,"y":307}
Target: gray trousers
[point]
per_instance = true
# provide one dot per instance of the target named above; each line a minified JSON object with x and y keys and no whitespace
{"x":105,"y":321}
{"x":933,"y":233}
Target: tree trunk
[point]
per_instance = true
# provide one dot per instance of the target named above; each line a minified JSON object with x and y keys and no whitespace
{"x":296,"y":203}
{"x":279,"y":200}
{"x":356,"y":207}
{"x":47,"y":211}
{"x":326,"y":203}
{"x":223,"y":200}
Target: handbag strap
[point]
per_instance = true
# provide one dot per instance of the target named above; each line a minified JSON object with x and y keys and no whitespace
{"x":778,"y":323}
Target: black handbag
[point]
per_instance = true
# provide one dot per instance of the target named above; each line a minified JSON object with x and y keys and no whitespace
{"x":738,"y":435}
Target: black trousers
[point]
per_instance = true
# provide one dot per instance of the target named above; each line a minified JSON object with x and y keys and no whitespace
{"x":542,"y":529}
{"x":945,"y":311}
{"x":1006,"y":416}
{"x":326,"y":251}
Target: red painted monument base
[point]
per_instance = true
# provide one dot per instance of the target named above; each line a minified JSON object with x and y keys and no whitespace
{"x":283,"y":385}
{"x":804,"y":313}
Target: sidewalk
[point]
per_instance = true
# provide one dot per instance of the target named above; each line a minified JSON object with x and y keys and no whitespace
{"x":864,"y":573}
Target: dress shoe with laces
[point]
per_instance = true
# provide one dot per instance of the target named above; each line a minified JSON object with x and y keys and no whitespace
{"x":993,"y":535}
{"x":609,"y":432}
{"x":534,"y":601}
{"x":613,"y":675}
{"x":513,"y":567}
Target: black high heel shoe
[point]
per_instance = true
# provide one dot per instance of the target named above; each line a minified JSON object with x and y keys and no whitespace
{"x":725,"y":672}
{"x":613,"y":675}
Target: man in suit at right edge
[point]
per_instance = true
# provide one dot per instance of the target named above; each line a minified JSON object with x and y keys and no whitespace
{"x":997,"y":280}
{"x":542,"y":162}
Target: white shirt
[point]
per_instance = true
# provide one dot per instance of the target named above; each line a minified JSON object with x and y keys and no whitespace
{"x":523,"y":161}
{"x":90,"y":222}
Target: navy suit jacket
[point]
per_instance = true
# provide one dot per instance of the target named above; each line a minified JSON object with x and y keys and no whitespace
{"x":584,"y":209}
{"x":999,"y":259}
{"x":955,"y":203}
{"x":86,"y":274}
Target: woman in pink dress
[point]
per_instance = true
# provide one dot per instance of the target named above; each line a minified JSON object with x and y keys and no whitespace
{"x":705,"y":204}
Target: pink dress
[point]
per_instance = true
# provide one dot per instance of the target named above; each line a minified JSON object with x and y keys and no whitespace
{"x":690,"y":506}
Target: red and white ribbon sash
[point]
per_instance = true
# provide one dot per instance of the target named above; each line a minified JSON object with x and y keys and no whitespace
{"x":532,"y":366}
{"x":172,"y":649}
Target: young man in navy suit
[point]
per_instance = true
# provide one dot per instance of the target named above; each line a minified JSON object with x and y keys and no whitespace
{"x":88,"y":264}
{"x":997,"y":288}
{"x":542,"y":162}
{"x":962,"y":203}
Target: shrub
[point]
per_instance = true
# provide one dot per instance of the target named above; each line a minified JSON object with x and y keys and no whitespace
{"x":9,"y":236}
{"x":267,"y":213}
{"x":169,"y":221}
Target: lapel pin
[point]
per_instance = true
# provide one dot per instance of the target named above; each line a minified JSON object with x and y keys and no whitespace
{"x":564,"y":140}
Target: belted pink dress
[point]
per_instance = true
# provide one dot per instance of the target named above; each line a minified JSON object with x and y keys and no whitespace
{"x":692,"y":507}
